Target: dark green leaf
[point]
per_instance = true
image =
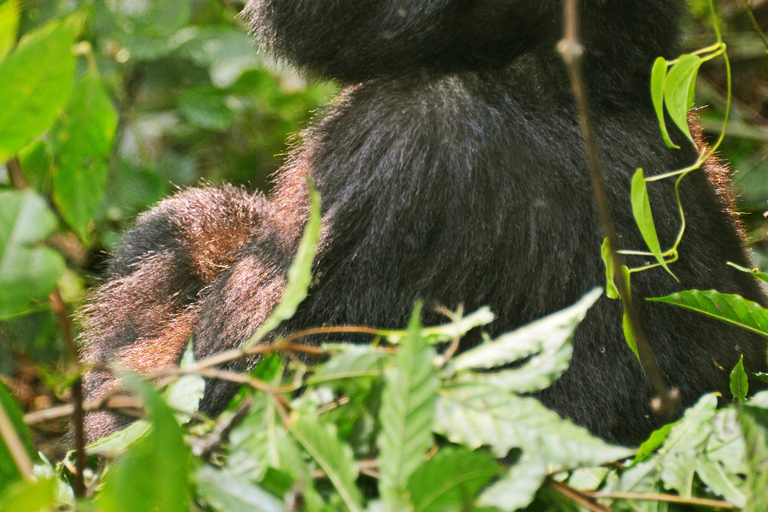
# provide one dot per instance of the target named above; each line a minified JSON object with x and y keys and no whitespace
{"x":677,"y":90}
{"x":641,"y":209}
{"x":407,"y":413}
{"x":451,"y":480}
{"x":28,"y":270}
{"x":731,"y":309}
{"x":739,"y":381}
{"x":35,"y":81}
{"x":206,"y":109}
{"x":82,"y":149}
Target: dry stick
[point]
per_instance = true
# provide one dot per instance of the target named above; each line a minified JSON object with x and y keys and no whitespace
{"x":585,"y":500}
{"x":572,"y":52}
{"x":78,"y":419}
{"x":15,"y":173}
{"x":122,"y":404}
{"x":666,"y":498}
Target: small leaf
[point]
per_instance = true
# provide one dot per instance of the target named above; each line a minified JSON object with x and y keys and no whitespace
{"x":450,"y":479}
{"x":407,"y":413}
{"x":517,"y":489}
{"x":658,"y":79}
{"x":762,"y":377}
{"x":545,"y":336}
{"x":731,"y":309}
{"x":611,"y":290}
{"x":754,"y":271}
{"x":739,"y":381}
{"x":35,"y":81}
{"x":626,"y":326}
{"x":678,"y":87}
{"x":9,"y":26}
{"x":299,"y":273}
{"x":355,"y":361}
{"x":641,"y":209}
{"x":319,"y":439}
{"x":657,"y":438}
{"x":754,"y":424}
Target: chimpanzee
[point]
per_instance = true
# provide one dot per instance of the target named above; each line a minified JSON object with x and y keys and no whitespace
{"x":451,"y":169}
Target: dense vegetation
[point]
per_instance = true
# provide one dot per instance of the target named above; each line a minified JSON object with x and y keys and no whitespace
{"x":108,"y":105}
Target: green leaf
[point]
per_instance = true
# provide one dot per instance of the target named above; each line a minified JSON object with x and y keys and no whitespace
{"x":762,"y":377}
{"x":657,"y":438}
{"x":206,"y":109}
{"x":731,"y":309}
{"x":35,"y":81}
{"x":518,"y":487}
{"x":118,"y":442}
{"x":448,"y":332}
{"x":754,"y":424}
{"x":184,"y":395}
{"x":474,"y":416}
{"x":739,"y":381}
{"x":9,"y":26}
{"x":354,"y":362}
{"x":678,"y":88}
{"x":407,"y":413}
{"x":542,"y":338}
{"x":641,"y":209}
{"x":299,"y":273}
{"x":229,"y":492}
{"x":754,"y":271}
{"x":611,"y":290}
{"x":83,"y":142}
{"x":28,"y":270}
{"x":9,"y":473}
{"x":154,"y":473}
{"x":451,"y":480}
{"x":319,"y":439}
{"x":658,"y":79}
{"x":30,"y":496}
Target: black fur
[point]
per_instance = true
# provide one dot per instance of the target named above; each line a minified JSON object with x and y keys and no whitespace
{"x":451,"y":169}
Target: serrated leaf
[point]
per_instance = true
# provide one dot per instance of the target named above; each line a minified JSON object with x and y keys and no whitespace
{"x":35,"y":81}
{"x":517,"y":488}
{"x":739,"y":381}
{"x":754,"y":423}
{"x":9,"y":26}
{"x":83,"y":142}
{"x":355,"y":361}
{"x":407,"y":413}
{"x":641,"y":210}
{"x":28,"y":269}
{"x":451,"y":480}
{"x":731,"y":309}
{"x":299,"y":273}
{"x":678,"y":86}
{"x":753,"y":271}
{"x":30,"y":496}
{"x":716,"y":478}
{"x":154,"y":473}
{"x":229,"y":492}
{"x":475,"y":416}
{"x":544,"y":337}
{"x":658,"y":80}
{"x":335,"y":458}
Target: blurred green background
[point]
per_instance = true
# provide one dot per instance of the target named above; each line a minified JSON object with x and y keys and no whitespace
{"x":169,"y":93}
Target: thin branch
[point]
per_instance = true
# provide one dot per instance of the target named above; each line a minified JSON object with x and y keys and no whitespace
{"x":666,"y":498}
{"x":128,"y":405}
{"x":15,"y":174}
{"x":572,"y":52}
{"x":583,"y":499}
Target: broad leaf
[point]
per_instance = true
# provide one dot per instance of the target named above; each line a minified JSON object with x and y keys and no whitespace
{"x":9,"y":26}
{"x":35,"y":81}
{"x":731,"y":309}
{"x":30,"y":496}
{"x":299,"y":273}
{"x":641,"y":210}
{"x":407,"y":413}
{"x":28,"y":269}
{"x":517,"y":489}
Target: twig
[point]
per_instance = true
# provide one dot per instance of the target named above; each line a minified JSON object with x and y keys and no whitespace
{"x":338,"y":329}
{"x":15,"y":173}
{"x":78,"y":418}
{"x":120,"y":403}
{"x":666,"y":498}
{"x":755,"y":24}
{"x":583,"y":499}
{"x":572,"y":52}
{"x":220,"y":434}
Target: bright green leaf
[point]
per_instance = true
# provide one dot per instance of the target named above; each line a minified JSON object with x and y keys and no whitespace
{"x":641,"y":209}
{"x":299,"y":273}
{"x":9,"y":26}
{"x":731,"y":309}
{"x":611,"y":290}
{"x":82,"y":150}
{"x":35,"y":81}
{"x":407,"y":413}
{"x":658,"y":79}
{"x":30,"y":496}
{"x":754,"y":271}
{"x":677,"y":90}
{"x":657,"y":438}
{"x":28,"y":269}
{"x":739,"y":381}
{"x":451,"y":480}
